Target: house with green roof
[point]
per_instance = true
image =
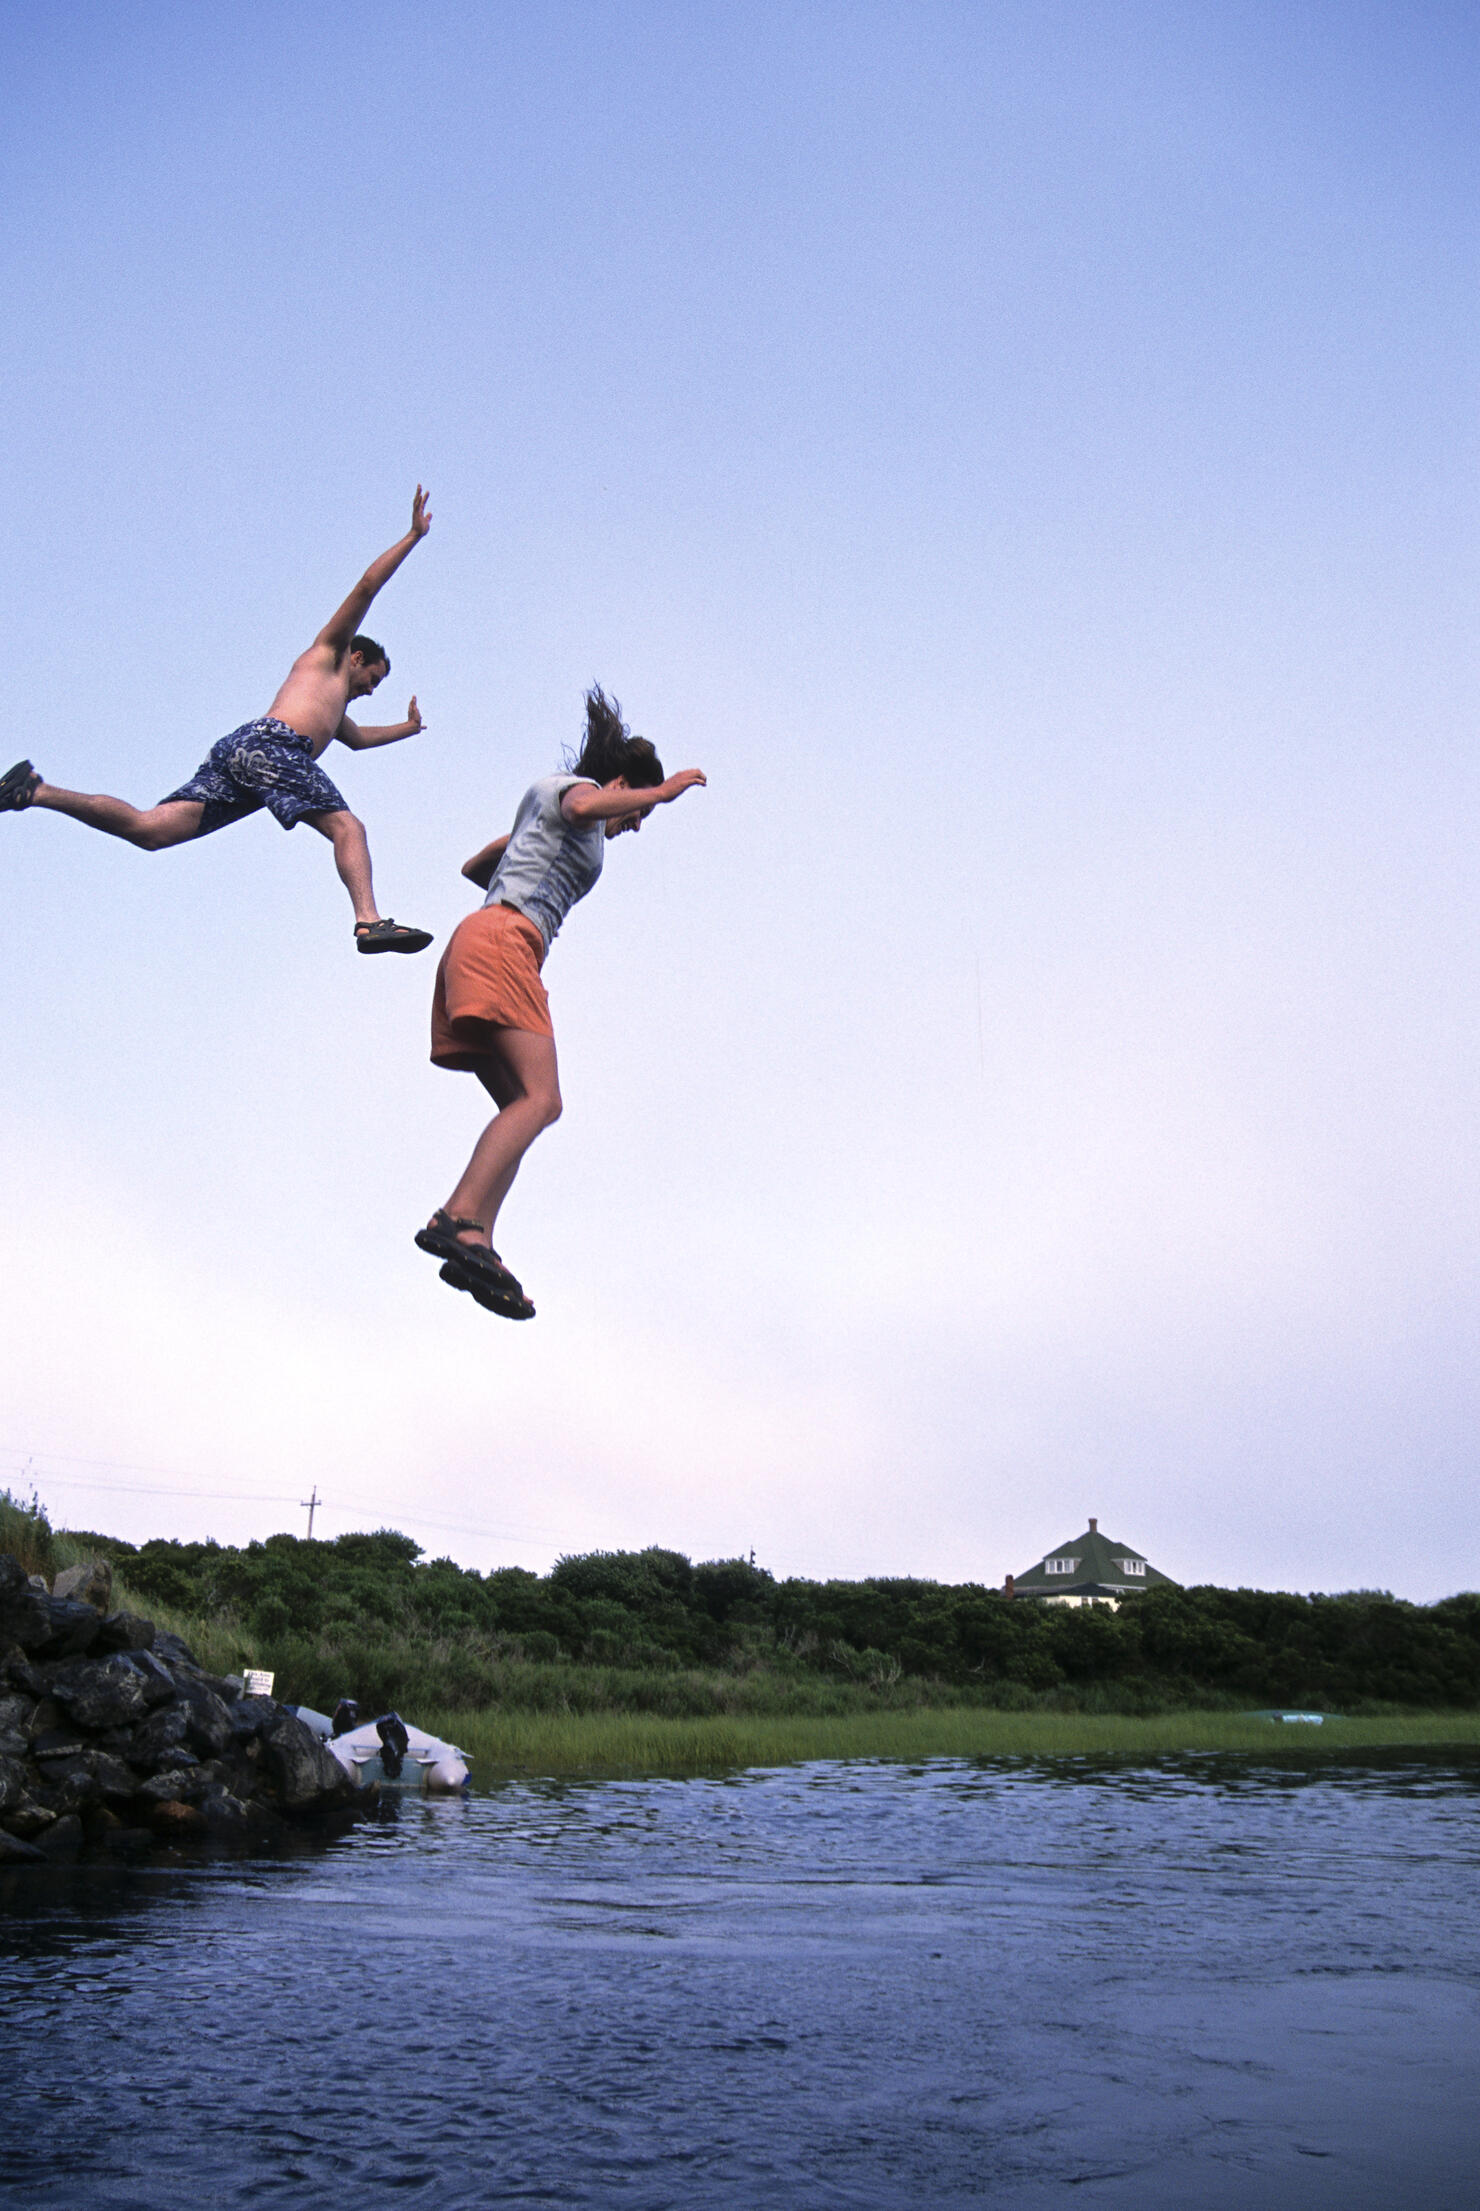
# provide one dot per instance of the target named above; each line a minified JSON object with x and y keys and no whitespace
{"x":1091,"y":1570}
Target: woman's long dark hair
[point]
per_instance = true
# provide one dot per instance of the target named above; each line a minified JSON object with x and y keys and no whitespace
{"x":611,"y":749}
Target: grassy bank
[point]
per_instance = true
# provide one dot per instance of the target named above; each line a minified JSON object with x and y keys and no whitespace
{"x":506,"y":1743}
{"x":717,"y":1667}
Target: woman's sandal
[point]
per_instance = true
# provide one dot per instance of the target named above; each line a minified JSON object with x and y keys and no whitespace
{"x":388,"y":936}
{"x":486,"y":1293}
{"x":18,"y":787}
{"x":440,"y":1237}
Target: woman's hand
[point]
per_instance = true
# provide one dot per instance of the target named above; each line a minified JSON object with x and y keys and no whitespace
{"x":619,"y":801}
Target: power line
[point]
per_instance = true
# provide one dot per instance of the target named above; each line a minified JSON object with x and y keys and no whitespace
{"x":119,"y":1466}
{"x":142,"y":1489}
{"x":515,"y":1532}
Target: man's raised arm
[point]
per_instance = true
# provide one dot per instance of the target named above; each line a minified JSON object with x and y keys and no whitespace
{"x":341,"y":627}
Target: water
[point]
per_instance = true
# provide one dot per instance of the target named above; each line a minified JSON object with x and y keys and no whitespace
{"x":1211,"y":1983}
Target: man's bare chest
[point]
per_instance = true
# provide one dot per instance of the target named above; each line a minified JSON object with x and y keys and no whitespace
{"x":313,"y":701}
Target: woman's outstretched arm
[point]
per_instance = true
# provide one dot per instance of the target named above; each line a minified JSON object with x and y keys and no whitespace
{"x":480,"y":868}
{"x":609,"y":801}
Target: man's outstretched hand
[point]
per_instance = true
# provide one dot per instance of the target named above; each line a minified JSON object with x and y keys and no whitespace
{"x":414,"y":723}
{"x":421,"y":514}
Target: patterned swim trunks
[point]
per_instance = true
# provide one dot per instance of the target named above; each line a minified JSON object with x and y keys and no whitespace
{"x":264,"y":763}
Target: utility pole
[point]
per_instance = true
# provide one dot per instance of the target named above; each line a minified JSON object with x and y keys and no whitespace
{"x":310,"y":1504}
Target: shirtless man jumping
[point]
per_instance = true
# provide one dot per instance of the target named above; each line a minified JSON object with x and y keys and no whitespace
{"x":272,"y":762}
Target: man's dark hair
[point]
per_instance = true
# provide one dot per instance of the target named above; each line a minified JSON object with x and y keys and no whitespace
{"x":370,"y":652}
{"x":611,"y":749}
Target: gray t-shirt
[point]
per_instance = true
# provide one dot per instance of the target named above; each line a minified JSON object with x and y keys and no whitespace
{"x":548,"y":862}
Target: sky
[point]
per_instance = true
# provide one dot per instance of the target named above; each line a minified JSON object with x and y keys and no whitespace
{"x":1026,"y":455}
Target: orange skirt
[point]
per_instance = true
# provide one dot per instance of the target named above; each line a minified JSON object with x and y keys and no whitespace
{"x":489,"y":979}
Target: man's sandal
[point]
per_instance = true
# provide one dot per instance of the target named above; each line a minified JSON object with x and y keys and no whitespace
{"x":440,"y":1237}
{"x":389,"y":936}
{"x":18,"y":787}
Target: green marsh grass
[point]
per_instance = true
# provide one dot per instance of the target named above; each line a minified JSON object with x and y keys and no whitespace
{"x":503,"y":1743}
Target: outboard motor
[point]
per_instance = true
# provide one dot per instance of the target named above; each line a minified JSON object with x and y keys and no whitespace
{"x":346,"y":1716}
{"x":394,"y":1744}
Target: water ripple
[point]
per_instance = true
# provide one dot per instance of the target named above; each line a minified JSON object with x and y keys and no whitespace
{"x":1207,"y":1981}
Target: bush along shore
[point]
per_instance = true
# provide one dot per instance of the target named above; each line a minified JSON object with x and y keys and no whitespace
{"x":649,"y":1633}
{"x":113,"y":1739}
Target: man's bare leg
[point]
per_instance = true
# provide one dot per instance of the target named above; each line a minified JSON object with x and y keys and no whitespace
{"x":346,"y":832}
{"x":151,"y":828}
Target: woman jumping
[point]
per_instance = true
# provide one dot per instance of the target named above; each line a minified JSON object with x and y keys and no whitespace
{"x":490,"y":1014}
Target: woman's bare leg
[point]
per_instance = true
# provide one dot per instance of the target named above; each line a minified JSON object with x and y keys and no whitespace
{"x":521,"y":1075}
{"x":151,"y":828}
{"x":497,"y":1082}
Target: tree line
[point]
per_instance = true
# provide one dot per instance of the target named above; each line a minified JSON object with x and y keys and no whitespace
{"x":655,"y":1610}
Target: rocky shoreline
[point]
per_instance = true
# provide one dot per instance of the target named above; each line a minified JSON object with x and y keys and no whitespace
{"x":115,"y":1742}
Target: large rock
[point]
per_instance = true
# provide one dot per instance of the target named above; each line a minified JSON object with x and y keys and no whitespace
{"x":305,"y":1770}
{"x":25,"y":1613}
{"x":28,"y":1819}
{"x":237,"y":1775}
{"x":225,"y":1819}
{"x":157,"y":1739}
{"x":115,"y":1777}
{"x":14,"y":1852}
{"x":63,"y":1839}
{"x":208,"y":1722}
{"x":105,"y":1775}
{"x":71,"y":1628}
{"x":179,"y":1785}
{"x":70,"y":1784}
{"x":18,"y":1671}
{"x":91,"y":1584}
{"x":125,"y":1631}
{"x":160,"y":1686}
{"x":12,"y":1784}
{"x":15,"y":1720}
{"x":249,"y":1715}
{"x":103,"y":1692}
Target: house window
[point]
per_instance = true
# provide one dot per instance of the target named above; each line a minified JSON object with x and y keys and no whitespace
{"x":1059,"y":1565}
{"x":1131,"y":1565}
